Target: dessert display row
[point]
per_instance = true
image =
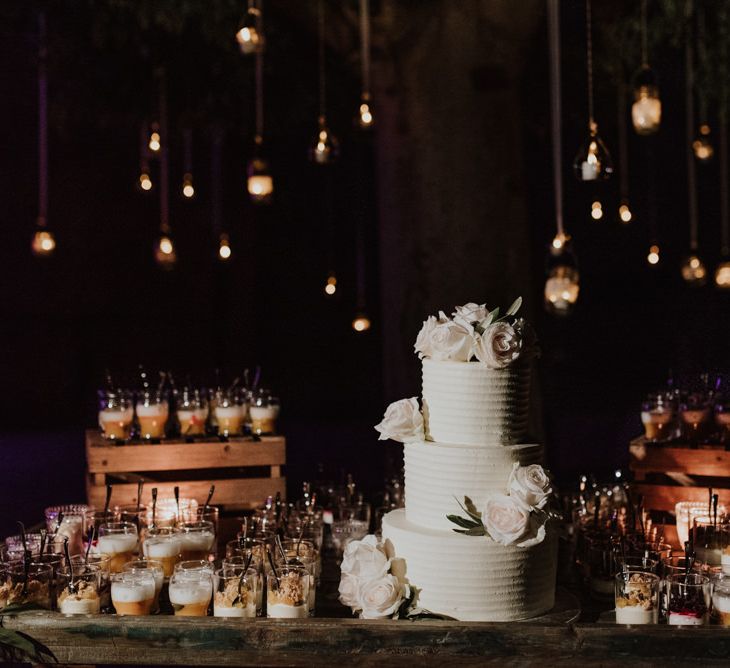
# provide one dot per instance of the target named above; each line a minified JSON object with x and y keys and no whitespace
{"x":154,"y":412}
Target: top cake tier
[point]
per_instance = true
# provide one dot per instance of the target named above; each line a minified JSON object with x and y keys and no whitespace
{"x":471,"y":404}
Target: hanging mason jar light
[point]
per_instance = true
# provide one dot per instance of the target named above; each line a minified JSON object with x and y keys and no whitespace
{"x":646,"y":111}
{"x":260,"y":183}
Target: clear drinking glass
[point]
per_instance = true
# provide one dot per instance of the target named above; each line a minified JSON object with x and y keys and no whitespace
{"x":688,"y":599}
{"x":721,"y":600}
{"x":102,"y":562}
{"x":637,"y":597}
{"x":36,"y":587}
{"x":72,"y":524}
{"x":119,"y":541}
{"x":158,"y":573}
{"x":287,"y":593}
{"x":130,"y":513}
{"x":696,"y":418}
{"x":309,"y":562}
{"x":133,"y":593}
{"x":264,"y":411}
{"x":152,"y":414}
{"x":190,"y":592}
{"x":163,"y":545}
{"x":194,"y":565}
{"x":197,"y":540}
{"x":80,"y":594}
{"x":657,"y":415}
{"x":192,"y":413}
{"x":116,"y":415}
{"x":236,"y":593}
{"x":707,"y":541}
{"x":229,"y":414}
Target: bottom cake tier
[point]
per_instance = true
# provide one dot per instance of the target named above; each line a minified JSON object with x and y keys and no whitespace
{"x":472,"y":578}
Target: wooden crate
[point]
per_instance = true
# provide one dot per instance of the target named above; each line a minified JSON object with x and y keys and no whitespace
{"x":666,"y":474}
{"x":228,"y":465}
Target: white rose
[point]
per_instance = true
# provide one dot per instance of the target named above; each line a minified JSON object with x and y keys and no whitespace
{"x":381,"y":597}
{"x":531,"y":486}
{"x":505,"y":519}
{"x":402,"y":422}
{"x":423,"y":344}
{"x":471,"y":313}
{"x":452,"y":341}
{"x":365,"y":559}
{"x":498,"y":346}
{"x":349,"y":591}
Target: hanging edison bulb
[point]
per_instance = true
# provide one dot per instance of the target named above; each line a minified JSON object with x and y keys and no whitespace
{"x":593,"y":161}
{"x":365,"y":114}
{"x":702,"y":146}
{"x":43,"y":243}
{"x":563,"y":280}
{"x":653,"y":257}
{"x":145,"y":181}
{"x":325,"y":148}
{"x":722,"y":275}
{"x":165,"y":254}
{"x":260,"y":184}
{"x":693,"y":270}
{"x":330,"y":286}
{"x":224,"y":248}
{"x":624,"y":212}
{"x":188,"y":190}
{"x":646,"y":111}
{"x":596,"y":210}
{"x":250,"y":39}
{"x":361,"y":323}
{"x":155,"y":140}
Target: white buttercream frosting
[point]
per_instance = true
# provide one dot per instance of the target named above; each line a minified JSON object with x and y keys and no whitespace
{"x":437,"y":474}
{"x":470,"y":404}
{"x":472,"y":578}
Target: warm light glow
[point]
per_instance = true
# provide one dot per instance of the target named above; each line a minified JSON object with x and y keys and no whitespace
{"x":702,"y":146}
{"x":561,"y":289}
{"x":224,"y":250}
{"x":560,"y":240}
{"x":722,"y":275}
{"x":166,"y":246}
{"x":260,"y":186}
{"x":366,"y":115}
{"x":249,"y":39}
{"x":693,"y":270}
{"x":325,"y":148}
{"x":188,"y":190}
{"x":43,"y":243}
{"x":653,"y":255}
{"x":165,"y":251}
{"x":361,"y":323}
{"x":155,"y":142}
{"x":331,"y":287}
{"x":145,"y":182}
{"x":624,"y":213}
{"x":646,"y":112}
{"x":596,"y":211}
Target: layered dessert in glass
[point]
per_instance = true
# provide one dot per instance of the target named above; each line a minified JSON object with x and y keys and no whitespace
{"x":657,"y":416}
{"x":164,"y":546}
{"x":119,"y":541}
{"x":34,"y":587}
{"x":721,"y":600}
{"x":196,"y":540}
{"x":102,"y":562}
{"x":191,"y":592}
{"x":237,"y":594}
{"x":79,"y":594}
{"x":287,"y":593}
{"x":688,"y":599}
{"x":695,"y":416}
{"x":116,"y":415}
{"x":152,"y":413}
{"x":706,"y":541}
{"x":133,"y":593}
{"x":229,"y":415}
{"x":154,"y":568}
{"x":637,"y":598}
{"x":192,"y":413}
{"x":264,"y":411}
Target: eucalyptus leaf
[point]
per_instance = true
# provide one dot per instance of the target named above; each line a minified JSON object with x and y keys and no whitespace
{"x":471,"y":508}
{"x":516,"y":304}
{"x":463,"y":522}
{"x":476,"y":516}
{"x":476,"y":531}
{"x":494,"y":315}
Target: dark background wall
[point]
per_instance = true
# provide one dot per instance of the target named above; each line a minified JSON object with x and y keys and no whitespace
{"x":453,"y":194}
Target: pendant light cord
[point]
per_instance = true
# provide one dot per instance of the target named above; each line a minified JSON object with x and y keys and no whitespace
{"x":365,"y":47}
{"x":724,"y":204}
{"x":644,"y":36}
{"x":164,"y":159}
{"x":42,"y":121}
{"x":321,"y":60}
{"x":553,"y":16}
{"x":260,"y":74}
{"x":589,"y":65}
{"x":623,"y":149}
{"x":689,"y":126}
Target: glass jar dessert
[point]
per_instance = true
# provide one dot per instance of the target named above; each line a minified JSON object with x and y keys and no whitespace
{"x":264,"y":411}
{"x":192,"y":413}
{"x":133,"y":593}
{"x":229,"y":414}
{"x":706,"y":540}
{"x":164,"y":546}
{"x":119,"y":541}
{"x":287,"y":593}
{"x":101,"y":561}
{"x":157,"y":571}
{"x":309,"y":563}
{"x":197,"y":540}
{"x":657,"y":416}
{"x":236,"y":593}
{"x":637,"y":598}
{"x":116,"y":415}
{"x":695,"y":416}
{"x":152,"y":413}
{"x":29,"y":585}
{"x":688,"y":599}
{"x":720,"y":600}
{"x":78,"y":590}
{"x":191,"y":592}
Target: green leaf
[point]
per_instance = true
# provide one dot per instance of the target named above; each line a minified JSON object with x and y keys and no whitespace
{"x":463,"y":522}
{"x":476,"y":531}
{"x":494,"y":315}
{"x":515,"y":306}
{"x":471,"y":508}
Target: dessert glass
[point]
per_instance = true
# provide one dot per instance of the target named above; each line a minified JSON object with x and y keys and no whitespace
{"x":116,"y":415}
{"x":237,"y":593}
{"x":229,"y":414}
{"x":164,"y":546}
{"x":14,"y":550}
{"x":707,"y":541}
{"x":637,"y":598}
{"x":152,"y":414}
{"x":157,"y":571}
{"x":197,"y":540}
{"x":264,"y":411}
{"x":35,"y":588}
{"x":95,"y":518}
{"x":688,"y":599}
{"x":119,"y":541}
{"x":79,"y":595}
{"x":133,"y":593}
{"x":696,"y":418}
{"x":190,"y":592}
{"x":657,"y":415}
{"x":721,"y":600}
{"x":287,"y":596}
{"x":192,"y":413}
{"x":101,"y":561}
{"x":194,"y":566}
{"x":309,"y":562}
{"x":5,"y":587}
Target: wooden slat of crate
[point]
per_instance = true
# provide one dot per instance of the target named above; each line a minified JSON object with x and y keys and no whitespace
{"x":654,"y":458}
{"x":174,"y":456}
{"x":665,"y":497}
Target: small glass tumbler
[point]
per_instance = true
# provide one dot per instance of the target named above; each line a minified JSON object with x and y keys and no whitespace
{"x":116,"y":415}
{"x":164,"y":546}
{"x":157,"y":571}
{"x":236,"y":593}
{"x":287,"y":593}
{"x":131,"y":513}
{"x":102,"y":562}
{"x":688,"y":601}
{"x":133,"y":593}
{"x":264,"y":411}
{"x":152,"y":413}
{"x":637,"y":597}
{"x":657,"y":416}
{"x":78,"y":591}
{"x":706,"y":539}
{"x":720,"y":600}
{"x":34,"y":588}
{"x":119,"y":541}
{"x":190,"y":592}
{"x":309,"y":562}
{"x":229,"y":414}
{"x":192,"y":413}
{"x":194,"y":566}
{"x":197,"y":540}
{"x":696,"y":418}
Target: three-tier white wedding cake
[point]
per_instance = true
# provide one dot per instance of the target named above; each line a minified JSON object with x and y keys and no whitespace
{"x":475,"y":535}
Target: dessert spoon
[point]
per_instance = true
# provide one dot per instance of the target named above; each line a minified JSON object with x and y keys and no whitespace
{"x":240,"y":580}
{"x":71,"y":584}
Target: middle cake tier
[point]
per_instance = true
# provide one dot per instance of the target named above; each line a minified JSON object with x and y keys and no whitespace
{"x":437,"y":474}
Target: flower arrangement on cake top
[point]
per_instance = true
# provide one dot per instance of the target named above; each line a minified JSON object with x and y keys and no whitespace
{"x":476,"y":333}
{"x":516,"y":518}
